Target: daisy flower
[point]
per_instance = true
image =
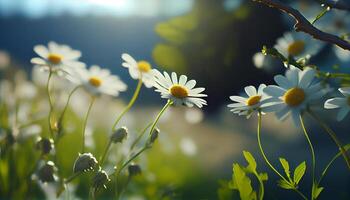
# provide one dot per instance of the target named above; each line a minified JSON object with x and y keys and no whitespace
{"x":343,"y":103}
{"x":293,"y":93}
{"x":98,"y":81}
{"x":178,"y":90}
{"x":298,"y":45}
{"x":59,"y":58}
{"x":138,"y":69}
{"x":247,"y":105}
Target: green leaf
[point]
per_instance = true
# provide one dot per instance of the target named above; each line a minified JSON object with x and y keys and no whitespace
{"x":299,"y":172}
{"x":263,"y":176}
{"x":242,"y":183}
{"x":251,"y":161}
{"x":285,"y":166}
{"x":285,"y":185}
{"x":224,"y":192}
{"x":316,"y":191}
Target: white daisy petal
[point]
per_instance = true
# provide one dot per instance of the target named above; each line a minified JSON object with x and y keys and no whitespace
{"x":274,"y":91}
{"x":335,"y":103}
{"x":306,"y":78}
{"x":345,"y":90}
{"x":41,"y":50}
{"x":283,"y":82}
{"x":250,"y":90}
{"x":238,"y":99}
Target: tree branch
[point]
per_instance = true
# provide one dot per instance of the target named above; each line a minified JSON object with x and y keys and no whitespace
{"x":340,"y":5}
{"x":303,"y":25}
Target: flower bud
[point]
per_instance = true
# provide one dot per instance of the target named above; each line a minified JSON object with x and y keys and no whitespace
{"x":84,"y":162}
{"x":153,"y":138}
{"x":119,"y":135}
{"x":44,"y":145}
{"x":134,"y":170}
{"x":100,"y":179}
{"x":47,"y":172}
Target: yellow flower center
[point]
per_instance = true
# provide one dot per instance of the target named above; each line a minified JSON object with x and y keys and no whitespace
{"x":95,"y":81}
{"x":296,"y":48}
{"x":253,"y":100}
{"x":294,"y":96}
{"x":144,"y":66}
{"x":55,"y":58}
{"x":178,"y":91}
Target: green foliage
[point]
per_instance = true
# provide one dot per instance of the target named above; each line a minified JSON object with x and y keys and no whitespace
{"x":242,"y":182}
{"x":291,"y":183}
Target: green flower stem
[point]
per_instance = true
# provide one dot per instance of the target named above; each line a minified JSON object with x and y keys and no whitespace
{"x":72,"y":177}
{"x":140,"y":136}
{"x":268,"y":162}
{"x":126,"y":163}
{"x":67,"y":103}
{"x":85,"y":123}
{"x":312,"y":153}
{"x":324,"y":172}
{"x":130,"y":104}
{"x":105,"y":152}
{"x":50,"y":102}
{"x":332,"y":134}
{"x":262,"y":151}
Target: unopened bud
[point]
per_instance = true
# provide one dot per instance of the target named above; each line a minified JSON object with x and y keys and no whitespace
{"x":47,"y":172}
{"x":100,"y":179}
{"x":134,"y":170}
{"x":153,"y":138}
{"x":84,"y":162}
{"x":119,"y":135}
{"x":44,"y":145}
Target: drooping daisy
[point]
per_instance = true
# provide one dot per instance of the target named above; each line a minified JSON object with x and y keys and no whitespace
{"x":297,"y":45}
{"x":293,"y":93}
{"x":138,"y":69}
{"x":253,"y":101}
{"x":59,"y":58}
{"x":343,"y":103}
{"x":179,"y":91}
{"x":98,"y":81}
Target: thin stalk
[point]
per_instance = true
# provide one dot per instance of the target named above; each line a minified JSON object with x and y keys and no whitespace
{"x":85,"y":123}
{"x":146,"y":146}
{"x":140,"y":136}
{"x":332,"y":134}
{"x":324,"y":172}
{"x":50,"y":102}
{"x":268,"y":162}
{"x":67,"y":103}
{"x":105,"y":152}
{"x":261,"y":190}
{"x":312,"y":153}
{"x":72,"y":177}
{"x":263,"y":153}
{"x":130,"y":104}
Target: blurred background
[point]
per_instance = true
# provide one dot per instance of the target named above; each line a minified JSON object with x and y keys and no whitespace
{"x":211,"y":41}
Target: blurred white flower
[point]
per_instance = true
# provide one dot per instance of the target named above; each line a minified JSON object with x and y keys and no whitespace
{"x":40,"y":77}
{"x":293,"y":93}
{"x":342,"y":55}
{"x":265,"y":62}
{"x":247,"y":105}
{"x":342,"y":103}
{"x":298,"y":45}
{"x":181,"y":92}
{"x":59,"y":58}
{"x":98,"y":81}
{"x":4,"y":60}
{"x":194,"y":115}
{"x":139,"y":69}
{"x":188,"y":147}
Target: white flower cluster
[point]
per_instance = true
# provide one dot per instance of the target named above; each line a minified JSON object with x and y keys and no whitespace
{"x":294,"y":93}
{"x":63,"y":61}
